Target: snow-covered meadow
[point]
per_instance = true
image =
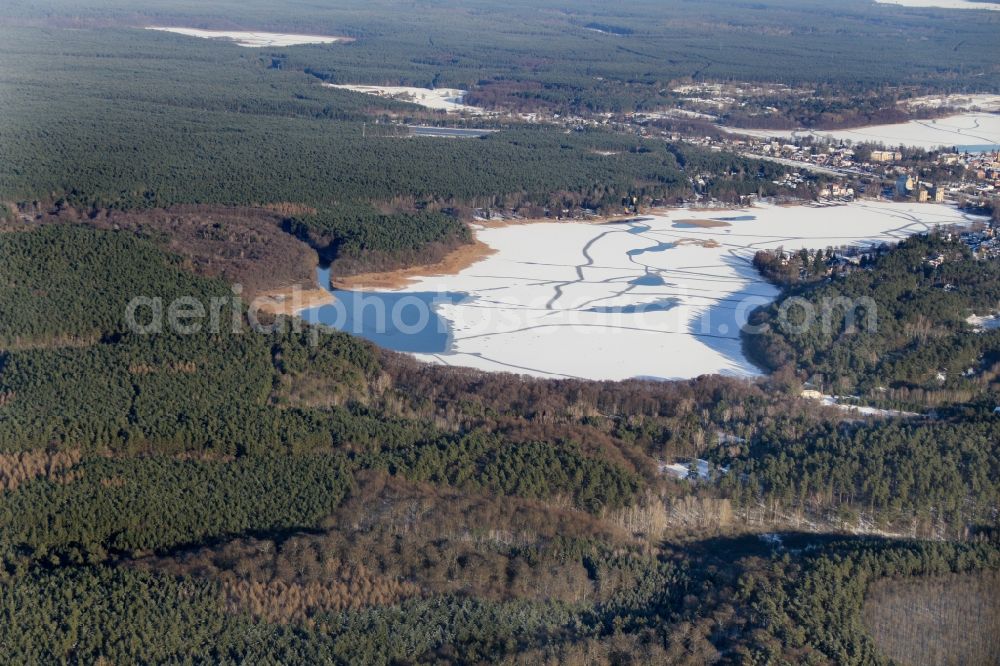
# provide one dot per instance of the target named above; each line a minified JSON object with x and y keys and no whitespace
{"x":253,"y":39}
{"x":660,"y":295}
{"x":446,"y":99}
{"x":964,"y":129}
{"x":957,"y":101}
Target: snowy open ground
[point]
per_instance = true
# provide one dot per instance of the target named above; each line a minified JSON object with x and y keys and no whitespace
{"x":447,"y":99}
{"x":943,"y":4}
{"x":970,"y":102}
{"x":983,"y":322}
{"x":253,"y":39}
{"x":964,"y":129}
{"x":655,"y":296}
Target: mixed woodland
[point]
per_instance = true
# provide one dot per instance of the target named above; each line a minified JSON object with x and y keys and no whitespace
{"x":302,"y":495}
{"x":292,"y":494}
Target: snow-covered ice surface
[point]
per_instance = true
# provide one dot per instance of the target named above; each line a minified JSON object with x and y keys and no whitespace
{"x":655,"y":296}
{"x":253,"y":39}
{"x":942,"y":4}
{"x":448,"y":99}
{"x":964,"y":129}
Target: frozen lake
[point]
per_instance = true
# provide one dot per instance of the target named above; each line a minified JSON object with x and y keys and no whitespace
{"x":659,"y":295}
{"x":975,"y":132}
{"x":449,"y":132}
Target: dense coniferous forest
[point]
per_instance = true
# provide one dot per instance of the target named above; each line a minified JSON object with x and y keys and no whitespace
{"x":240,"y":132}
{"x":246,"y":488}
{"x":89,"y":263}
{"x":351,"y":240}
{"x":527,"y":55}
{"x":152,"y":132}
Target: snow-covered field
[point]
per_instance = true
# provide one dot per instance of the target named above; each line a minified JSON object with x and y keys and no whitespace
{"x":677,"y":113}
{"x":659,"y":296}
{"x":973,"y":102}
{"x":984,"y":322}
{"x":253,"y":39}
{"x":835,"y":401}
{"x":964,"y":129}
{"x":943,"y":4}
{"x":448,"y":99}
